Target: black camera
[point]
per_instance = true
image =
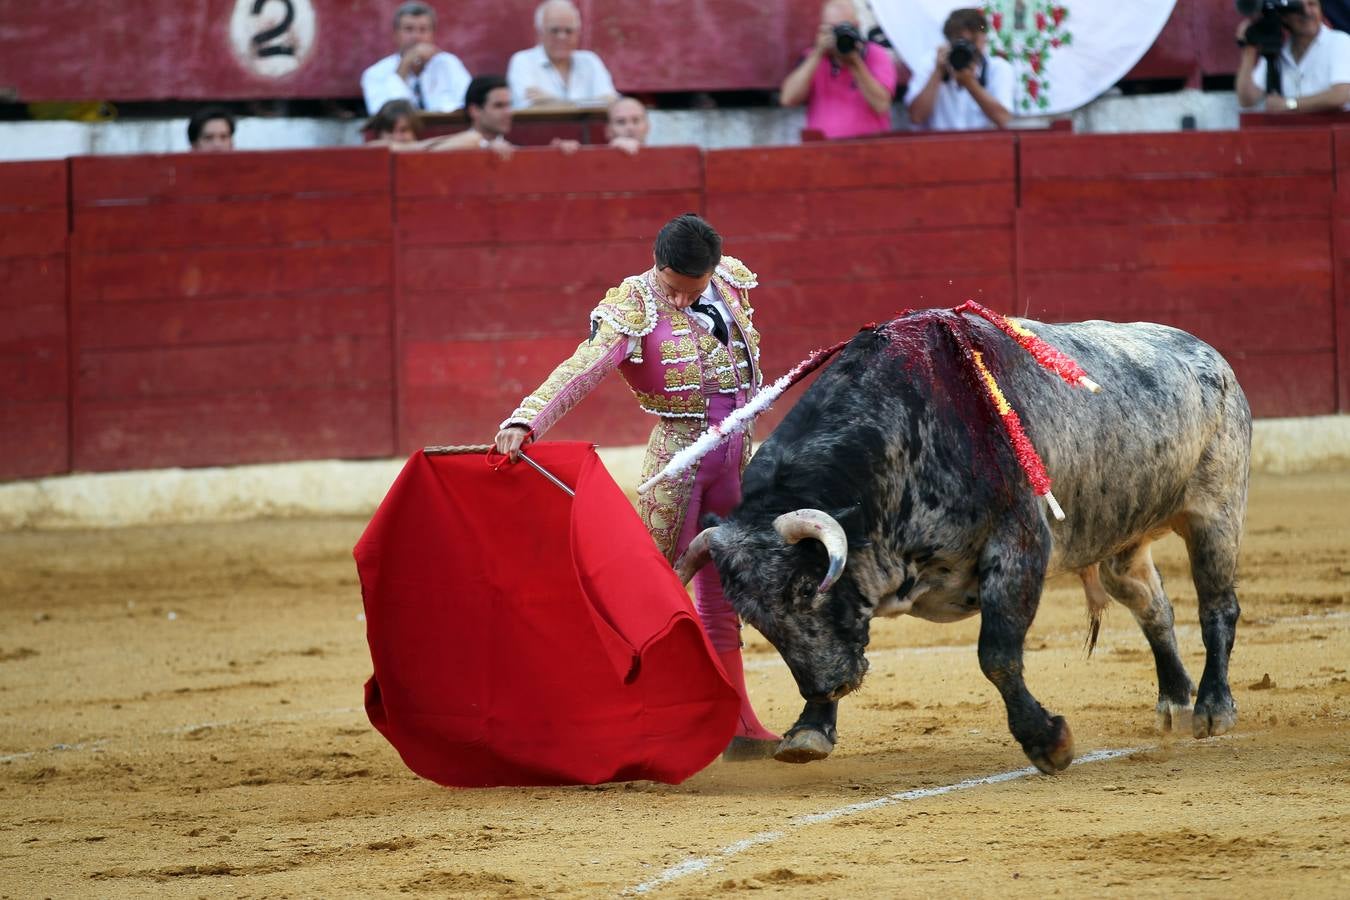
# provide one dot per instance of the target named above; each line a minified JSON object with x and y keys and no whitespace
{"x":847,"y":37}
{"x":1266,"y":33}
{"x":961,"y":55}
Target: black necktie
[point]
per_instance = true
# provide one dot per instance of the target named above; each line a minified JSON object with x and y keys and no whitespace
{"x":719,"y":327}
{"x":418,"y":99}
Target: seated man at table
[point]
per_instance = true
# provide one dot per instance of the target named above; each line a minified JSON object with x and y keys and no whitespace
{"x":627,"y":125}
{"x":420,"y":72}
{"x":554,"y":72}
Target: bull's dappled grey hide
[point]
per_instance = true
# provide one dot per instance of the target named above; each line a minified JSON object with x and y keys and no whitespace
{"x":897,"y":441}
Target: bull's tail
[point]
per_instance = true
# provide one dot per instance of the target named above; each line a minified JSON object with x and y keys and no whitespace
{"x":1097,"y":601}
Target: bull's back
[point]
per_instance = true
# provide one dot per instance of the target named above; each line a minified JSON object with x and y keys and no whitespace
{"x":1170,"y":426}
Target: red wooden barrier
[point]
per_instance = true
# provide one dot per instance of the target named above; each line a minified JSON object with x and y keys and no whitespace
{"x":499,"y":264}
{"x":842,"y":235}
{"x":271,"y":306}
{"x":34,"y":364}
{"x":1224,"y":235}
{"x":231,"y":308}
{"x":1341,"y":249}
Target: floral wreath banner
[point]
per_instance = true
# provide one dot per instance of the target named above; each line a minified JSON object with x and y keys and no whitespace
{"x":1064,"y":53}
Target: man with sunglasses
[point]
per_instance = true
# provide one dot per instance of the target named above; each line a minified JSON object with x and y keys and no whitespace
{"x":554,"y":72}
{"x":1314,"y":65}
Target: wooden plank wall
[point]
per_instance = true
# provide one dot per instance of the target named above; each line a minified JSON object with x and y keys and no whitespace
{"x":196,"y":310}
{"x":1226,"y":235}
{"x":34,"y":364}
{"x":499,"y":265}
{"x":231,"y":308}
{"x":841,"y":235}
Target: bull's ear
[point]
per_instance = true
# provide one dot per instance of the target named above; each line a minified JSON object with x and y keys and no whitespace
{"x":709,"y":520}
{"x":803,"y":590}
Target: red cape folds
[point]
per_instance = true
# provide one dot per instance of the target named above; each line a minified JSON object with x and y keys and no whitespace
{"x":520,"y":637}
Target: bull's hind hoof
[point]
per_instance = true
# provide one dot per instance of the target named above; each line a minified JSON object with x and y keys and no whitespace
{"x":804,"y":745}
{"x":744,"y":749}
{"x":1214,"y":715}
{"x":1056,"y":755}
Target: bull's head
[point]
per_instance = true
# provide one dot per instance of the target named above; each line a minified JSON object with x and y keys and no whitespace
{"x":787,"y":583}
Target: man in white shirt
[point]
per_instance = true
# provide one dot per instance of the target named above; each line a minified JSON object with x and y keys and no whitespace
{"x":554,"y":72}
{"x":420,"y":72}
{"x":977,"y":94}
{"x":1314,"y":66}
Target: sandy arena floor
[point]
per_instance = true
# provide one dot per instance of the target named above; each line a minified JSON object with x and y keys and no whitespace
{"x":180,"y":716}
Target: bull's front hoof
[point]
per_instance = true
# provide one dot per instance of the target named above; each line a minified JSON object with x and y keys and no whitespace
{"x":804,"y":745}
{"x":1215,"y":714}
{"x":1056,"y":754}
{"x":745,"y":749}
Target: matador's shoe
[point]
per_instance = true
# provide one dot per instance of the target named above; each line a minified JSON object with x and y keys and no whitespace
{"x":752,"y":740}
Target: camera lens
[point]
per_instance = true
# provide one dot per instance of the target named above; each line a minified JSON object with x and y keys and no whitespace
{"x":961,"y":55}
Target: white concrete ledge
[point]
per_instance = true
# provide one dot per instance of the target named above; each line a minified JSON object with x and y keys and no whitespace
{"x":338,"y":488}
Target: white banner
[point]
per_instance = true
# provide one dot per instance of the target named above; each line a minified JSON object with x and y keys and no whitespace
{"x":1064,"y":53}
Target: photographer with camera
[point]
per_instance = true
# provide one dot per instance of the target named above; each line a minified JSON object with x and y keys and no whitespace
{"x":1311,"y":71}
{"x":968,"y":88}
{"x":846,"y":82}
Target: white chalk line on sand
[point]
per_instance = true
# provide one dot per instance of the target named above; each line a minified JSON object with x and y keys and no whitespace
{"x":99,"y":744}
{"x":700,"y":864}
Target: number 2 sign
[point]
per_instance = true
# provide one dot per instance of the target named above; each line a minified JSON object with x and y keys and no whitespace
{"x":272,"y":38}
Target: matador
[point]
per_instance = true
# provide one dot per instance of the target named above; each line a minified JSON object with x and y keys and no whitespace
{"x":683,"y":338}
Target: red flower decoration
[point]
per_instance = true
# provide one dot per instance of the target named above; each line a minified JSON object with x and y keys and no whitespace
{"x":1058,"y":14}
{"x":1040,"y":21}
{"x":998,"y":21}
{"x":1035,"y":60}
{"x":1055,"y":42}
{"x":1033,"y":88}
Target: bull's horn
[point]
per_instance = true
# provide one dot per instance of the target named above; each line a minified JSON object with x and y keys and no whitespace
{"x":696,"y":557}
{"x":821,"y":526}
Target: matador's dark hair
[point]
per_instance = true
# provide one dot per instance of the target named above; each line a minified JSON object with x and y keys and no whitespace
{"x":688,"y":245}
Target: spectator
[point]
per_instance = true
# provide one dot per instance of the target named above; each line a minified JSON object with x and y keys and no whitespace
{"x":1314,"y":66}
{"x":977,"y":92}
{"x":846,"y":94}
{"x":397,"y":123}
{"x":554,"y":72}
{"x":627,"y":124}
{"x":488,"y":105}
{"x":211,"y":130}
{"x":420,"y":72}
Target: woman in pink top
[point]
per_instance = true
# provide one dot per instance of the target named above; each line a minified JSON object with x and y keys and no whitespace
{"x":846,"y":94}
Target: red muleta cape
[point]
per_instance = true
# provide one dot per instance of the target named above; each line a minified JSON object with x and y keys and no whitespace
{"x":522,"y":637}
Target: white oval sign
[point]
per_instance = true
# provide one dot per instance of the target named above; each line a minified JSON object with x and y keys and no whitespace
{"x":272,"y":38}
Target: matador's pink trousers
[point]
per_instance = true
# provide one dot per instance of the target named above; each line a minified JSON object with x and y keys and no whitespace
{"x":717,"y":489}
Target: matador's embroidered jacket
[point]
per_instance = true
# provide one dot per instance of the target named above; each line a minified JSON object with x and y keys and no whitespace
{"x":672,"y":364}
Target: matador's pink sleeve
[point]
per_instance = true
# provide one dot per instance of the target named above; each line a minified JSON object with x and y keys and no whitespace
{"x":571,"y":381}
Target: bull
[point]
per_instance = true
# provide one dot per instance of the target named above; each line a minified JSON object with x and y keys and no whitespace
{"x":890,"y":489}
